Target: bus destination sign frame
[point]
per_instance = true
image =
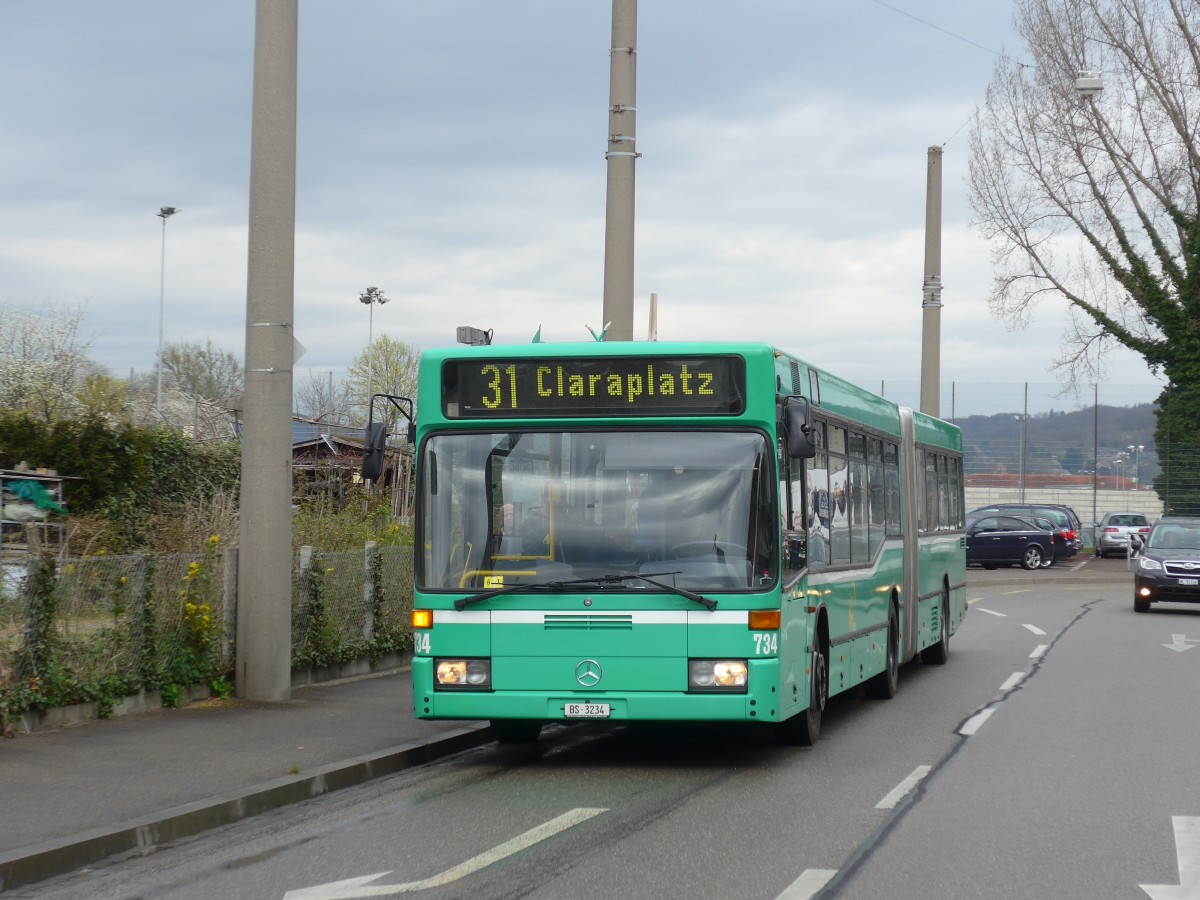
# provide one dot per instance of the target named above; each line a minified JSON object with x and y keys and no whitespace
{"x":594,"y":387}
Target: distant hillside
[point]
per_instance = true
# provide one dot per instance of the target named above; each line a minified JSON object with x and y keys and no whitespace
{"x":1058,"y":442}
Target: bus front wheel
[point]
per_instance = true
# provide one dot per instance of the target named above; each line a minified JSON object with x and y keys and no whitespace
{"x":804,"y":729}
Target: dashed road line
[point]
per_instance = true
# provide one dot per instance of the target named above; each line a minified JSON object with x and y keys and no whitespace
{"x":900,"y":791}
{"x":807,"y":885}
{"x":1013,"y":680}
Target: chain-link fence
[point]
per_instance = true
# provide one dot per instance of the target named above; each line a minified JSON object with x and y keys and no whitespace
{"x":100,"y":628}
{"x":1092,"y":448}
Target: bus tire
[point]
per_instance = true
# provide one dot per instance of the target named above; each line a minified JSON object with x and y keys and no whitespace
{"x":804,"y":729}
{"x":884,"y":685}
{"x":516,"y":731}
{"x":938,"y":653}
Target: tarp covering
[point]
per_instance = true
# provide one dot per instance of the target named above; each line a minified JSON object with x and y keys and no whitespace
{"x":33,"y":492}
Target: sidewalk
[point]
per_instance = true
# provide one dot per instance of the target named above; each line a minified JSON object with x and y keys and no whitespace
{"x":75,"y":795}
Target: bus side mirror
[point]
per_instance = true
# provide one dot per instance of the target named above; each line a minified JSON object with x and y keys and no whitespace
{"x":373,"y":450}
{"x":796,"y":417}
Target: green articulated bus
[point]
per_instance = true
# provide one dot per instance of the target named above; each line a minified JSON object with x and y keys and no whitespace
{"x":710,"y":532}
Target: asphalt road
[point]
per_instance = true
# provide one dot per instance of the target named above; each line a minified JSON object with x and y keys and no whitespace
{"x":1053,"y":756}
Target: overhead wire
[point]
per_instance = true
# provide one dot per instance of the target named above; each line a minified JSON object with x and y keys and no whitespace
{"x":957,"y":37}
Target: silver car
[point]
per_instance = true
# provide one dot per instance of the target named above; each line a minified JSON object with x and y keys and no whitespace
{"x":1113,"y":531}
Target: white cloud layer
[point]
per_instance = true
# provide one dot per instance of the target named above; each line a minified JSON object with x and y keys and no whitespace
{"x":452,"y":154}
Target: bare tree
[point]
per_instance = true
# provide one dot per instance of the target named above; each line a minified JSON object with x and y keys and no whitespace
{"x":321,"y":398}
{"x":203,"y":370}
{"x":1092,"y":198}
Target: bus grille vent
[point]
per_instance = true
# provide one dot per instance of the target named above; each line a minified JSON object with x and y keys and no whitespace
{"x":796,"y":386}
{"x":587,"y":622}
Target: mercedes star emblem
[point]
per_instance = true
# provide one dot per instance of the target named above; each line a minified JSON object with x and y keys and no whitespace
{"x":588,"y":673}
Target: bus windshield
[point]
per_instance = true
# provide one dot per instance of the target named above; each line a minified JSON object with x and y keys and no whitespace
{"x":691,"y":509}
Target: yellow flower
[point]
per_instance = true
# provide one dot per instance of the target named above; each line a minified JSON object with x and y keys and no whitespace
{"x":329,"y":571}
{"x":191,"y":608}
{"x":193,"y":568}
{"x":214,"y":539}
{"x":122,"y":580}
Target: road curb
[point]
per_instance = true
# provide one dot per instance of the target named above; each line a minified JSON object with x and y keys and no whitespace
{"x":60,"y":856}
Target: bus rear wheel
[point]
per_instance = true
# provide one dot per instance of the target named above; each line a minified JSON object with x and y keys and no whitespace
{"x":516,"y":731}
{"x":938,"y":653}
{"x":804,"y":729}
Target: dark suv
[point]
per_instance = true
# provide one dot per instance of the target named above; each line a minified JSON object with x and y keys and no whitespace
{"x":1168,"y":569}
{"x":1070,"y":529}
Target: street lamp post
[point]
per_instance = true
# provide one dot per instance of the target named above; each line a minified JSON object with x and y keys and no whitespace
{"x":1136,"y":450}
{"x":370,"y":297}
{"x":164,"y":213}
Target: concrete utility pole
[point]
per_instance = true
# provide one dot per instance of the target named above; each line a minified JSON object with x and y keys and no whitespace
{"x":931,"y":289}
{"x":622,"y":154}
{"x":264,"y":615}
{"x":164,"y":213}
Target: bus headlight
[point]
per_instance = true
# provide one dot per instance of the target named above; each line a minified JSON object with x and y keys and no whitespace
{"x":463,"y":674}
{"x":717,"y":675}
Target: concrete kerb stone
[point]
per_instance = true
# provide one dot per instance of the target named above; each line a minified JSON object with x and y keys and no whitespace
{"x":60,"y":856}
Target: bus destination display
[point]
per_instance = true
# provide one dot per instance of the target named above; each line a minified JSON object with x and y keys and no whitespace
{"x":608,"y":386}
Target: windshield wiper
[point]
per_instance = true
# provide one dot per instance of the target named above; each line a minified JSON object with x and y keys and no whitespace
{"x":463,"y":602}
{"x":601,"y":580}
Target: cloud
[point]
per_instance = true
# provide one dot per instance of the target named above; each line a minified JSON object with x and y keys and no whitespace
{"x":453,"y":155}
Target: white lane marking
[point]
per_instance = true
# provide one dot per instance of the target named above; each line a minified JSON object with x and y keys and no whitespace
{"x":992,"y":612}
{"x":358,"y":887}
{"x":1013,"y":680}
{"x":1034,"y":629}
{"x":1039,"y":650}
{"x":974,"y":723}
{"x":1187,"y":848}
{"x":809,"y":882}
{"x":900,"y":791}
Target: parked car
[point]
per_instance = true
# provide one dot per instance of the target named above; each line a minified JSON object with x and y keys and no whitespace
{"x":996,"y":540}
{"x":1168,"y":569}
{"x":1063,"y":516}
{"x":1112,"y":533}
{"x":1063,"y":545}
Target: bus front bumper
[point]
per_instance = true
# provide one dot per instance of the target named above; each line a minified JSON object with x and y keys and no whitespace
{"x":759,"y":701}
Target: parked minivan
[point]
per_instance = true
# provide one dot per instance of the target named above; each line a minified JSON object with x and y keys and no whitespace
{"x":1063,"y":516}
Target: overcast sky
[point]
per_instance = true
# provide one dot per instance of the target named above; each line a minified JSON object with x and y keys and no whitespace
{"x":452,"y":154}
